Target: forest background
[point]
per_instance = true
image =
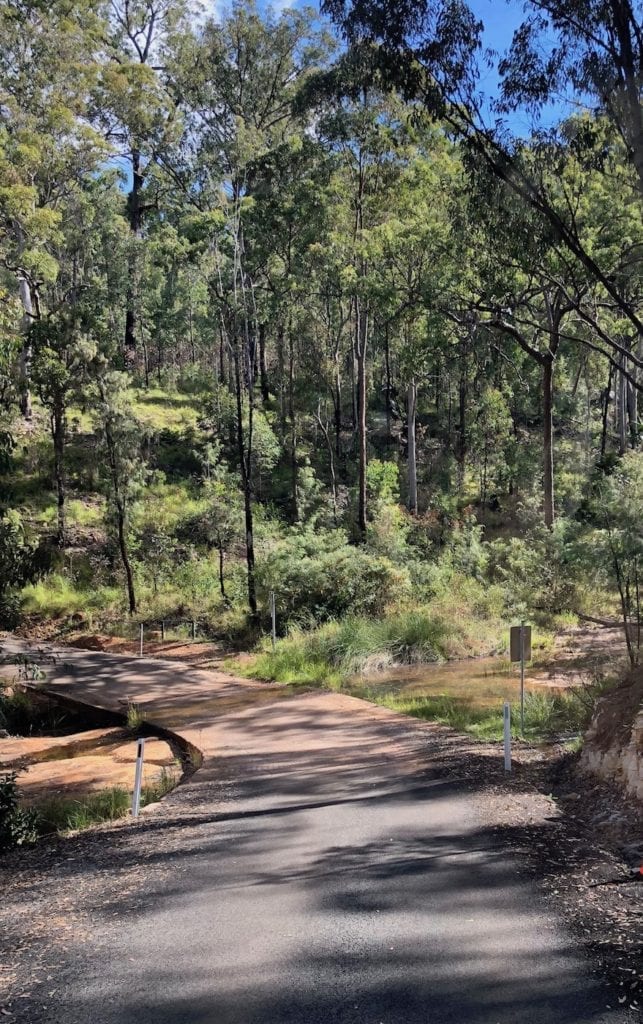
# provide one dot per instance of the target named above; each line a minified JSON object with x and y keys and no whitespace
{"x":291,"y":304}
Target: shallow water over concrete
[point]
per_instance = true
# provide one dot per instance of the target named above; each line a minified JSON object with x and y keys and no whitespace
{"x":481,"y":682}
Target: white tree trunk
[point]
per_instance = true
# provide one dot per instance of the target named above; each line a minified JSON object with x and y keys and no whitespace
{"x":411,"y":458}
{"x":26,"y":354}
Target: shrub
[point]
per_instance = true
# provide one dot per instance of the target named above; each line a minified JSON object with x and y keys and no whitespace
{"x":318,"y":576}
{"x":17,"y":825}
{"x":536,"y":571}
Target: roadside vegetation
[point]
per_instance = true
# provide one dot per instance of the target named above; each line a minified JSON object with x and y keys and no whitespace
{"x":21,"y":825}
{"x":561,"y":716}
{"x":354,"y":348}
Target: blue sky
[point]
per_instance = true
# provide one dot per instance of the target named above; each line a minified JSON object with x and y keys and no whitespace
{"x":500,"y":18}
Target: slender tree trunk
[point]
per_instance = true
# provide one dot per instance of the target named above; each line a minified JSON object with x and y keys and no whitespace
{"x":263,"y":369}
{"x":331,"y":461}
{"x":294,"y":504}
{"x":26,"y":352}
{"x":146,"y":364}
{"x":622,"y":410}
{"x":362,"y":336}
{"x":337,"y":406}
{"x":461,"y":453}
{"x":122,"y":544}
{"x":632,"y":411}
{"x":58,"y":432}
{"x":411,"y":456}
{"x":548,"y":439}
{"x":221,"y":579}
{"x":606,"y":408}
{"x":282,"y":373}
{"x":387,"y":365}
{"x":135,"y":219}
{"x":245,"y":464}
{"x":120,"y":505}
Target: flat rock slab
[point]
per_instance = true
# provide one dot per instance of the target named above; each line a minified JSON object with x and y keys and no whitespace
{"x":90,"y":772}
{"x":40,"y":748}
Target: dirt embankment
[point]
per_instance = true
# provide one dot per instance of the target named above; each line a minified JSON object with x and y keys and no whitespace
{"x":613,"y":747}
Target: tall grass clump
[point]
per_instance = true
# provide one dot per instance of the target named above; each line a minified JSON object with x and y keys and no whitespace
{"x":62,"y":814}
{"x":66,"y":814}
{"x":333,"y":652}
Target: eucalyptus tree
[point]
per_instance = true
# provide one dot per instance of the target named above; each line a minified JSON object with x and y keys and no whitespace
{"x":237,"y":81}
{"x":420,"y":264}
{"x":122,"y":467}
{"x":73,"y":328}
{"x":49,"y":59}
{"x":431,"y":51}
{"x":136,"y":112}
{"x":363,"y":127}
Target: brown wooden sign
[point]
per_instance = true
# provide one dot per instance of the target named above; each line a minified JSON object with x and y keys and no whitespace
{"x":514,"y":643}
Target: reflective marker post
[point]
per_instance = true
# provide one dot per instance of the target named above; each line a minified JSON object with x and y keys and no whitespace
{"x":138,"y":778}
{"x":140,"y":645}
{"x":507,"y":731}
{"x":522,"y":678}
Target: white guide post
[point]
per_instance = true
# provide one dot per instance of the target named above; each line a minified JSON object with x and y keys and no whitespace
{"x":138,"y":778}
{"x":507,"y":732}
{"x":522,"y":678}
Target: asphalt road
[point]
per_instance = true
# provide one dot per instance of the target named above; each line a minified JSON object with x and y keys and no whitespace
{"x":340,"y":875}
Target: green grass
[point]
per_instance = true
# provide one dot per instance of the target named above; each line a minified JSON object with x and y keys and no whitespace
{"x":160,"y":409}
{"x":57,"y":595}
{"x":62,"y":814}
{"x":547,"y":715}
{"x":65,"y":814}
{"x":134,"y":717}
{"x":332,"y":653}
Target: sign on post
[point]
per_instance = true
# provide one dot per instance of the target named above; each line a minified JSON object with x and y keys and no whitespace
{"x":520,"y":650}
{"x":514,"y":643}
{"x":138,"y":778}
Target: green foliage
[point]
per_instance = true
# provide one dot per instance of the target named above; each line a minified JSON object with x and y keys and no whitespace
{"x":17,"y":825}
{"x":16,"y":711}
{"x":17,"y":564}
{"x":536,"y":571}
{"x":63,"y":814}
{"x":318,"y":575}
{"x":134,"y":717}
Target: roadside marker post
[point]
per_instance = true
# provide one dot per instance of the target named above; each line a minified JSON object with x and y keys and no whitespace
{"x":140,"y":645}
{"x":507,"y":731}
{"x":194,"y":629}
{"x":522,"y":678}
{"x":273,"y":618}
{"x":138,"y":778}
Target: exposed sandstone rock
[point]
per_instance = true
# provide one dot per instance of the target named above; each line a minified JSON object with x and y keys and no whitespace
{"x":614,"y":743}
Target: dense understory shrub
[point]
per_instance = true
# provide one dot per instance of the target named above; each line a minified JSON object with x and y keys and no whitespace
{"x":17,"y":825}
{"x":318,"y":576}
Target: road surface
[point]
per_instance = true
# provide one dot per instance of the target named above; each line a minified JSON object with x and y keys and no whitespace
{"x":328,"y":863}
